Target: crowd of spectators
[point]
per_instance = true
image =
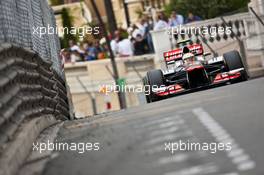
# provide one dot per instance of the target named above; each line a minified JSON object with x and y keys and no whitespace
{"x":87,"y":51}
{"x":174,"y":20}
{"x":137,"y":42}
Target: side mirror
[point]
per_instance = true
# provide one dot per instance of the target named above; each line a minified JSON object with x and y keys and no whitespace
{"x":207,"y":54}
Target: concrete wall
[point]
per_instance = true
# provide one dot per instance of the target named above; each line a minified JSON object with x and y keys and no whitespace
{"x":257,"y":42}
{"x":86,"y":78}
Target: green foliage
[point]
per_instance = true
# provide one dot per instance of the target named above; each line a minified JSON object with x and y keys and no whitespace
{"x":123,"y":33}
{"x":139,"y":12}
{"x":206,"y":8}
{"x":67,"y":21}
{"x":94,"y":24}
{"x":56,"y":2}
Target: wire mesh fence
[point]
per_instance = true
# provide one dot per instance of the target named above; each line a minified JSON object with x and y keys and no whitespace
{"x":32,"y":84}
{"x":19,"y":22}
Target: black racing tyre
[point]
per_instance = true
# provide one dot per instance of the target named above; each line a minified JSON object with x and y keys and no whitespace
{"x":155,"y":79}
{"x":234,"y":61}
{"x":146,"y":89}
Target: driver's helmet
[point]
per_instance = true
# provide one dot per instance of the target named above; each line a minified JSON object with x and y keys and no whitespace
{"x":188,"y":58}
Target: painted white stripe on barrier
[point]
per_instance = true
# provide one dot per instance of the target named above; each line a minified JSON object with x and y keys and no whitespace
{"x":166,"y":138}
{"x":233,"y":173}
{"x":158,"y":121}
{"x":201,"y":169}
{"x":219,"y":133}
{"x":235,"y":146}
{"x":169,"y":137}
{"x":237,"y":154}
{"x":241,"y":158}
{"x":246,"y":166}
{"x":164,"y":131}
{"x":225,"y":137}
{"x":173,"y":159}
{"x":164,"y":125}
{"x":161,"y":148}
{"x":154,"y":150}
{"x":168,"y":124}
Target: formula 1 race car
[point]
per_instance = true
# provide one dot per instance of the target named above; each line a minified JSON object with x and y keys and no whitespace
{"x":188,"y":69}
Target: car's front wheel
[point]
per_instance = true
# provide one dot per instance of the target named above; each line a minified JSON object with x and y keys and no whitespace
{"x":146,"y":89}
{"x":234,"y":61}
{"x":154,"y":78}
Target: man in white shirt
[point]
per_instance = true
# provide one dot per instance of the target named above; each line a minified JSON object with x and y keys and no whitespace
{"x":125,"y":48}
{"x":114,"y":46}
{"x":161,"y":23}
{"x":142,"y":27}
{"x":75,"y":47}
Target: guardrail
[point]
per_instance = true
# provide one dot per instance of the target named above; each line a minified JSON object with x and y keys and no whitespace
{"x":29,"y":88}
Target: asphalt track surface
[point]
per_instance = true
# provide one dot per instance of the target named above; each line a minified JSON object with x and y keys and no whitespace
{"x":132,"y":142}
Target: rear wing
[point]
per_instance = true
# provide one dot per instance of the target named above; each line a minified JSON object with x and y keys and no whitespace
{"x":183,"y":43}
{"x":174,"y":55}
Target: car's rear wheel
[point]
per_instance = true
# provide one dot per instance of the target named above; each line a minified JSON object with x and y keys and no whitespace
{"x":155,"y":78}
{"x":234,"y":61}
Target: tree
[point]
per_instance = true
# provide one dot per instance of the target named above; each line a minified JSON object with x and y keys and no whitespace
{"x":67,"y":25}
{"x":56,"y":2}
{"x":206,"y":8}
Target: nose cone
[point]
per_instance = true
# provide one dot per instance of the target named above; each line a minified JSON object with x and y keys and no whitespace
{"x":194,"y":67}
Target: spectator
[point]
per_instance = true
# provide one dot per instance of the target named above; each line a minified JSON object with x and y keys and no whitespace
{"x":76,"y":53}
{"x":75,"y":56}
{"x":144,"y":23}
{"x":139,"y":45}
{"x":75,"y":47}
{"x":130,"y":31}
{"x":161,"y":22}
{"x":114,"y":42}
{"x":142,"y":27}
{"x":136,"y":31}
{"x":149,"y":22}
{"x":90,"y":52}
{"x":139,"y":38}
{"x":125,"y":48}
{"x":99,"y":50}
{"x":106,"y":51}
{"x":149,"y":27}
{"x":176,"y":19}
{"x":192,"y":18}
{"x":65,"y":55}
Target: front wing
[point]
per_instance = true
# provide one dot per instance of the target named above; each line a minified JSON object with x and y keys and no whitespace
{"x":220,"y":78}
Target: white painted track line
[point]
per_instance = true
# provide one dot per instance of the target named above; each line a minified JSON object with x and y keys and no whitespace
{"x":237,"y":154}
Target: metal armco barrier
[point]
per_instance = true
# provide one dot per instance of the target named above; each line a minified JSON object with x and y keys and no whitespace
{"x":29,"y":87}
